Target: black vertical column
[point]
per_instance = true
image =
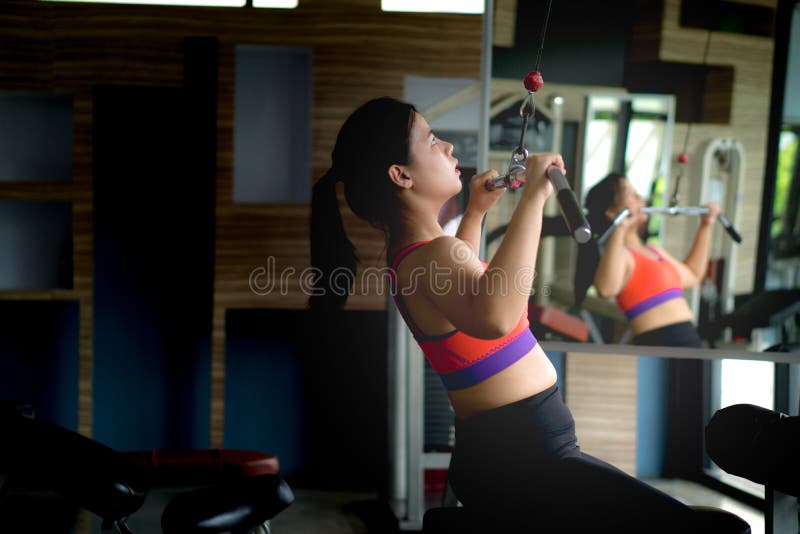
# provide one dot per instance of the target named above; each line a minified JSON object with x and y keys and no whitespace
{"x":189,"y":340}
{"x":154,"y":169}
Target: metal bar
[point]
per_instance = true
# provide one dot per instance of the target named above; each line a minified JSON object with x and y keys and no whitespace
{"x":675,"y":210}
{"x":485,"y":96}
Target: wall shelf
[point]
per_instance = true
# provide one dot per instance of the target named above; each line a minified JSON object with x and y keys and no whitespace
{"x":37,"y":191}
{"x":43,"y":294}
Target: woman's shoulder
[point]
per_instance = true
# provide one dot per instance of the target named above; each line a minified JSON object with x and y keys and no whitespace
{"x":443,"y":250}
{"x":450,"y":250}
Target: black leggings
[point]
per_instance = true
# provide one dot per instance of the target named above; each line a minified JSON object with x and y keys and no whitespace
{"x":682,"y":334}
{"x":522,"y":461}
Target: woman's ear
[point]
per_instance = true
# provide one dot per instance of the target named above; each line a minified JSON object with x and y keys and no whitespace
{"x":397,"y":174}
{"x":611,"y":214}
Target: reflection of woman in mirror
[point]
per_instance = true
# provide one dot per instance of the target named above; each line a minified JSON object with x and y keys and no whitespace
{"x":648,"y":285}
{"x":646,"y":281}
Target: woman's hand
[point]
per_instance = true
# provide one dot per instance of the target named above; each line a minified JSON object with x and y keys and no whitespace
{"x":628,"y":222}
{"x":711,"y":217}
{"x":536,"y":181}
{"x":480,"y":199}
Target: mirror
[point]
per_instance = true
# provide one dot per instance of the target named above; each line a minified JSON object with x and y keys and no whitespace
{"x":585,"y":112}
{"x":631,"y":134}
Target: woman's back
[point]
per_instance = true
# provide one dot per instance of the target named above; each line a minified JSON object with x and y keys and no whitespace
{"x":478,"y":374}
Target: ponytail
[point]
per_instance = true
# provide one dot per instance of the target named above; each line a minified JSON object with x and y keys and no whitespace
{"x":332,"y":254}
{"x":375,"y":136}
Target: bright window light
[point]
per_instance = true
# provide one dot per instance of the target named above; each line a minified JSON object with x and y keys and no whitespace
{"x":434,"y":6}
{"x":204,"y":3}
{"x":285,"y":4}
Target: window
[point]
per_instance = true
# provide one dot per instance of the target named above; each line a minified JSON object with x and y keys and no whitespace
{"x":286,"y":4}
{"x":35,"y":137}
{"x":434,"y":6}
{"x":272,"y":125}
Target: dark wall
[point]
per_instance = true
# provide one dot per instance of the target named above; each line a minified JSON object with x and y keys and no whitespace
{"x":586,"y":42}
{"x":39,"y":358}
{"x":153,"y":220}
{"x":313,"y":390}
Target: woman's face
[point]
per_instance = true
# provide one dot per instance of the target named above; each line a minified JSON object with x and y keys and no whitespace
{"x":626,"y":197}
{"x":432,"y":166}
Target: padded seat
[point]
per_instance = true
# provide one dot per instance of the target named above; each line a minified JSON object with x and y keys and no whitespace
{"x":191,"y":467}
{"x":86,"y":472}
{"x":557,"y":321}
{"x":716,"y":520}
{"x":235,"y":506}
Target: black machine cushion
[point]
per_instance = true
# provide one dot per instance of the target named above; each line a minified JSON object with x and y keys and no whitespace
{"x":758,"y":444}
{"x":91,"y":475}
{"x":233,"y":506}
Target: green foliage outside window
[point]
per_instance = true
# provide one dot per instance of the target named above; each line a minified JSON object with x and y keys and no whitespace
{"x":786,"y":159}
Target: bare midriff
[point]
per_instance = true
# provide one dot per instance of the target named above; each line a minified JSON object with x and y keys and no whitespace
{"x":670,"y":312}
{"x":531,"y":374}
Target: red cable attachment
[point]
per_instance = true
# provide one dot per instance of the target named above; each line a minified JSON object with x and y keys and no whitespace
{"x":533,"y":81}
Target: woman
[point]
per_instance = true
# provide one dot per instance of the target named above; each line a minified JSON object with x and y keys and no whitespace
{"x":646,"y":281}
{"x":648,"y":285}
{"x":516,"y":454}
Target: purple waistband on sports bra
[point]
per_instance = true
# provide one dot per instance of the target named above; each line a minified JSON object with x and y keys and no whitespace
{"x":491,"y":365}
{"x":652,"y":302}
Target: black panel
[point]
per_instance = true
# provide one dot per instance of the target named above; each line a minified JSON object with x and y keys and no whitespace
{"x":154,"y":172}
{"x":732,"y":17}
{"x":343,"y":361}
{"x":586,"y":42}
{"x":35,"y":244}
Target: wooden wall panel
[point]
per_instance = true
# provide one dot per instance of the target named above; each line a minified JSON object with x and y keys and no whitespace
{"x":751,"y":58}
{"x":601,"y":393}
{"x":26,"y":52}
{"x":505,"y":23}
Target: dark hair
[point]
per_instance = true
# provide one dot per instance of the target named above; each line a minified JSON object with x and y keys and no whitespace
{"x":374,"y":137}
{"x":598,"y":200}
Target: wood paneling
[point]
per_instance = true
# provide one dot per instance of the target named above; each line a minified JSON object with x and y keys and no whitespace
{"x":505,"y":23}
{"x":751,"y":58}
{"x":601,"y":393}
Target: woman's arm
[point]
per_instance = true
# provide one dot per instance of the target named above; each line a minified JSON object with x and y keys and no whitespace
{"x":488,"y":303}
{"x":614,"y":268}
{"x":480,"y":200}
{"x":693,"y":268}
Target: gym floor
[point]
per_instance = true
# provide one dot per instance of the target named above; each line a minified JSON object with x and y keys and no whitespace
{"x":357,"y":513}
{"x":313,"y":512}
{"x":335,"y":512}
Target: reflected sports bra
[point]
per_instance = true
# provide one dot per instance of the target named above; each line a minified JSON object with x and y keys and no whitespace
{"x":462,"y":360}
{"x":652,"y":282}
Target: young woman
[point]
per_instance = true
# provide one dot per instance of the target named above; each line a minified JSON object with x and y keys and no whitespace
{"x":647,"y":281}
{"x":516,"y":454}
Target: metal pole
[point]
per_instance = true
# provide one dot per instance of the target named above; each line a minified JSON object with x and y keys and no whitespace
{"x":486,"y":95}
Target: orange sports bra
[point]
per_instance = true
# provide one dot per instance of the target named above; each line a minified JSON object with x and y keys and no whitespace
{"x":462,"y":360}
{"x":652,"y":282}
